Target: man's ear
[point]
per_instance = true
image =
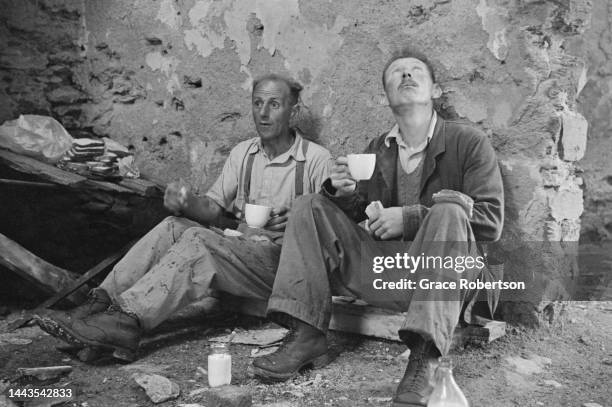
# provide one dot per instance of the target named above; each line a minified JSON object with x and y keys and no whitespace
{"x":295,"y":110}
{"x":436,"y":92}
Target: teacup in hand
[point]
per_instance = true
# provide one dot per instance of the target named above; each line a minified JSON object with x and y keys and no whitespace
{"x":256,"y":215}
{"x":361,"y":166}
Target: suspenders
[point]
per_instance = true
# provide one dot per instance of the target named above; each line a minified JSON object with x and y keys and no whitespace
{"x":246,"y":179}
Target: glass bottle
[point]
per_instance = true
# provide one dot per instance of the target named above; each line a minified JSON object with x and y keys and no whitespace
{"x":446,"y":393}
{"x":219,"y":365}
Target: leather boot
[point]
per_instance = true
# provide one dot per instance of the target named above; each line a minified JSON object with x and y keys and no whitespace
{"x":415,"y":388}
{"x":97,"y":301}
{"x":113,"y":330}
{"x":303,"y":346}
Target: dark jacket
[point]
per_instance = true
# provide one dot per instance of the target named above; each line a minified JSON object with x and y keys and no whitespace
{"x":459,"y":157}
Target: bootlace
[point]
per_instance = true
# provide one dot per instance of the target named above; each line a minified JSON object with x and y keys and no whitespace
{"x":419,"y":380}
{"x":113,"y":309}
{"x":287,"y":340}
{"x":116,"y":309}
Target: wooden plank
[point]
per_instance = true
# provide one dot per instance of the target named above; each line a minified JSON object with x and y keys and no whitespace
{"x":91,"y":273}
{"x":56,"y":175}
{"x":45,"y":373}
{"x":32,"y":166}
{"x":106,"y":186}
{"x":488,"y":333}
{"x":28,"y":183}
{"x":44,"y":275}
{"x":359,"y":318}
{"x":141,"y":186}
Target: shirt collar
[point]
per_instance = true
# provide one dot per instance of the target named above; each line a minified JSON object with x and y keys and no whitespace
{"x":295,"y":151}
{"x":395,"y":134}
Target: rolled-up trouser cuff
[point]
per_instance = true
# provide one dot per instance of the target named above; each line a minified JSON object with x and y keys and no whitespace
{"x":129,"y":309}
{"x":410,"y":336}
{"x":296,"y":309}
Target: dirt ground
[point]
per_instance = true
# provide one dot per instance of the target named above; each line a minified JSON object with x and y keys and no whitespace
{"x":566,"y":364}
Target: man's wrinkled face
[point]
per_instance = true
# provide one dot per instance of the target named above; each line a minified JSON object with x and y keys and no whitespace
{"x":408,"y":81}
{"x":272,"y":108}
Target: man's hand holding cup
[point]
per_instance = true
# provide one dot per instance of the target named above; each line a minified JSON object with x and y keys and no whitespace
{"x":350,"y":169}
{"x":341,"y":178}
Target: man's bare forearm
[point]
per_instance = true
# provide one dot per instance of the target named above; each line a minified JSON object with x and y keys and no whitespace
{"x":202,"y":209}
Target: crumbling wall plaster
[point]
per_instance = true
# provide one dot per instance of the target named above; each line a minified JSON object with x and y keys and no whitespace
{"x":595,"y":102}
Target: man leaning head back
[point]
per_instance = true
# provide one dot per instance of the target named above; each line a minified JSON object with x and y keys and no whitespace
{"x":409,"y":81}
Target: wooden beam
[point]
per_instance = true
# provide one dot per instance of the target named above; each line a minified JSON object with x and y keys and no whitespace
{"x":141,"y":186}
{"x":32,"y":166}
{"x":28,"y":183}
{"x":85,"y":278}
{"x":44,"y":275}
{"x":29,"y":165}
{"x":360,"y":318}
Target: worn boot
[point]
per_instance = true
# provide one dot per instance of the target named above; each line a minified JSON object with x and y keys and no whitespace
{"x":415,"y":388}
{"x":112,"y":329}
{"x":97,"y":301}
{"x":303,"y":346}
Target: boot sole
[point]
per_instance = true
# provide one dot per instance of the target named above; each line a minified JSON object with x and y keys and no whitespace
{"x":58,"y":330}
{"x":316,"y":363}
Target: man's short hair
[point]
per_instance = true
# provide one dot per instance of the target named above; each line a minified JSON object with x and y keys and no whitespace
{"x":409,"y":53}
{"x":294,"y":86}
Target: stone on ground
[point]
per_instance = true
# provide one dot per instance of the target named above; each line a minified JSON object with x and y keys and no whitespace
{"x":158,"y":388}
{"x":227,"y":396}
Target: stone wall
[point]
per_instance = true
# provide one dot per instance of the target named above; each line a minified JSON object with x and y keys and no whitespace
{"x":40,"y":49}
{"x":171,"y":79}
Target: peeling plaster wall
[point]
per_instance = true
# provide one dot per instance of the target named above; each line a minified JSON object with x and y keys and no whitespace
{"x":595,"y":102}
{"x":171,"y":79}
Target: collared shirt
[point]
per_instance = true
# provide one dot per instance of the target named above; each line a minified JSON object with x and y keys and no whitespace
{"x":272,"y":180}
{"x":410,"y":157}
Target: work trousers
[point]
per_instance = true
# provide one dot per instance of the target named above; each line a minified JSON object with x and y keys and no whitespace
{"x":179,"y":261}
{"x":322,"y":255}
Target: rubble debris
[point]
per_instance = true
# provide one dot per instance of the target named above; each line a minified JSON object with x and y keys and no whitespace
{"x":195,"y":392}
{"x":228,"y":396}
{"x":6,"y":402}
{"x":12,"y":340}
{"x":535,"y":364}
{"x":255,"y":337}
{"x":255,"y":353}
{"x":145,"y":368}
{"x":379,"y":400}
{"x":553,"y":383}
{"x":49,"y":402}
{"x":45,"y":373}
{"x":295,"y":393}
{"x":158,"y":388}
